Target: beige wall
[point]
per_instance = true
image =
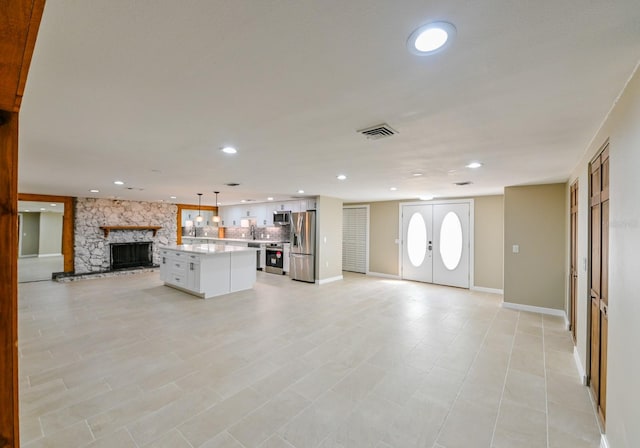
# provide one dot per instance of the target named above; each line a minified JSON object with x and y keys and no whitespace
{"x":30,"y":234}
{"x":489,"y":241}
{"x":50,"y":233}
{"x":488,"y":224}
{"x":329,"y":233}
{"x":623,"y":382}
{"x":535,"y":219}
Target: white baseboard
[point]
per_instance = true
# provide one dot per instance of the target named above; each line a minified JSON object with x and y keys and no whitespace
{"x":604,"y":443}
{"x":578,"y":361}
{"x":489,"y":290}
{"x":534,"y":309}
{"x":567,"y":324}
{"x":330,"y":279}
{"x":49,"y":255}
{"x":380,"y":274}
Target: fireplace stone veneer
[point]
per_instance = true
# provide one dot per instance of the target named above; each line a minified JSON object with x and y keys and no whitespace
{"x":92,"y":249}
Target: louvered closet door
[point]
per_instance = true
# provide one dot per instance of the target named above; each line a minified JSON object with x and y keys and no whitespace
{"x":354,"y":239}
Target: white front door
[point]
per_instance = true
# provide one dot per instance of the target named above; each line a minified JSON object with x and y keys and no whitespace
{"x":435,"y":243}
{"x":417,"y":247}
{"x":451,"y":244}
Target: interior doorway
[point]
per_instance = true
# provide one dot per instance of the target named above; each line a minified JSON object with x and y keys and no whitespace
{"x":436,"y":242}
{"x":599,"y":278}
{"x":40,"y":240}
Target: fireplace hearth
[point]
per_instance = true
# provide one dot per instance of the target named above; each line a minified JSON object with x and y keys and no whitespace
{"x":131,"y":255}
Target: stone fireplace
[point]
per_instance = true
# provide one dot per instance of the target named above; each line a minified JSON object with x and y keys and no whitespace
{"x":93,"y":249}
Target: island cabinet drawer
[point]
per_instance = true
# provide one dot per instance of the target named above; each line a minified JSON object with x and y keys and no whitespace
{"x":178,"y":266}
{"x":191,"y":258}
{"x":177,"y":279}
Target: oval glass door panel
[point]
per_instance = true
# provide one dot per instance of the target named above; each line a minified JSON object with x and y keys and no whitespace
{"x":451,"y":241}
{"x":417,"y":239}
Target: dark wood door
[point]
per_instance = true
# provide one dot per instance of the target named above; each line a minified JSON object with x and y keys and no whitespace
{"x":599,"y":258}
{"x":574,"y":256}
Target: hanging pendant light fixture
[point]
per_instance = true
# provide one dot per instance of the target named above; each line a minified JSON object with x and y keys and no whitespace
{"x":199,"y":218}
{"x":217,"y":217}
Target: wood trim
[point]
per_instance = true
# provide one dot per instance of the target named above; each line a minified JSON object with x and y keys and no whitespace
{"x":108,"y":229}
{"x":181,"y":207}
{"x":9,"y":425}
{"x":19,"y":24}
{"x":67,"y":223}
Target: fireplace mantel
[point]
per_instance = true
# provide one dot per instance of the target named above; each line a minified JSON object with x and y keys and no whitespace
{"x":108,"y":229}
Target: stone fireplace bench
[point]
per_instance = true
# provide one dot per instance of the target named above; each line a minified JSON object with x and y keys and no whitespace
{"x":208,"y":270}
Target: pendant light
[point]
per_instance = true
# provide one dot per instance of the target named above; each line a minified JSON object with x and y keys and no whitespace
{"x":199,"y":218}
{"x":217,"y":217}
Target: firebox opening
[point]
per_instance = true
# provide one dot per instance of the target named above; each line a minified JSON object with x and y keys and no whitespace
{"x":131,"y":255}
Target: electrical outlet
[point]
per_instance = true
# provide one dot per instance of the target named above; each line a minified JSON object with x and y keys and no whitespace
{"x":516,"y":249}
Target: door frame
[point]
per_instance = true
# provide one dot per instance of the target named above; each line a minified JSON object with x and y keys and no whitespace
{"x":68,"y":220}
{"x":366,"y":206}
{"x":471,"y":203}
{"x":574,"y":191}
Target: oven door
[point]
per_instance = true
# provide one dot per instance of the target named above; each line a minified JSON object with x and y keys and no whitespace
{"x":274,"y":261}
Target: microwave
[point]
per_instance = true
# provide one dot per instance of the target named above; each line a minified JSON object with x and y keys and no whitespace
{"x":281,"y":218}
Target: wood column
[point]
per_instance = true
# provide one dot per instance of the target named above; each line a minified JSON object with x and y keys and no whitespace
{"x":19,"y":24}
{"x":9,"y":430}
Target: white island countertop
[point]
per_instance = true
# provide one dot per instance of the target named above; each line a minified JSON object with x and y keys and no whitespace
{"x":208,"y":249}
{"x":234,"y":240}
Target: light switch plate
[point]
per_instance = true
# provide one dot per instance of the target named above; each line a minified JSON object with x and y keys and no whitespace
{"x":516,"y":249}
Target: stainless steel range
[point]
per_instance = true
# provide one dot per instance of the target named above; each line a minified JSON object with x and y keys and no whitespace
{"x":274,"y":258}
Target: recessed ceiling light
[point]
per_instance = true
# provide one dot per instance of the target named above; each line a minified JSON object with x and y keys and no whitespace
{"x":269,"y":199}
{"x":431,"y":38}
{"x":474,"y":165}
{"x":426,"y":198}
{"x":172,"y":197}
{"x":53,"y":205}
{"x":27,"y":210}
{"x":417,"y":174}
{"x":229,"y":150}
{"x":243,"y":200}
{"x":341,"y":177}
{"x":300,"y":191}
{"x":393,"y":188}
{"x":43,"y":209}
{"x":118,"y":182}
{"x":94,"y":191}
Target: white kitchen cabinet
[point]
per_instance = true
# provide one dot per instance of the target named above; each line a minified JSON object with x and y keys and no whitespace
{"x":193,"y":273}
{"x":286,"y":251}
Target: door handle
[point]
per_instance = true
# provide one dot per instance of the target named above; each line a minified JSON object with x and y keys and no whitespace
{"x":430,"y":247}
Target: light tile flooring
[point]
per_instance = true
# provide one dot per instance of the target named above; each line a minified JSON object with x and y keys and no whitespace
{"x":35,"y":269}
{"x":366,"y":362}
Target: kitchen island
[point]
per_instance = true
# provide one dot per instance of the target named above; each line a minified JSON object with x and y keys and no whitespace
{"x":208,"y":270}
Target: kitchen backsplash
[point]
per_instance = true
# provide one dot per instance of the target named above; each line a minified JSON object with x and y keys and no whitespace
{"x":276,"y":233}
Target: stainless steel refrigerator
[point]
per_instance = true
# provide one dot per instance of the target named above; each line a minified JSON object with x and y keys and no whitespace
{"x":303,"y":247}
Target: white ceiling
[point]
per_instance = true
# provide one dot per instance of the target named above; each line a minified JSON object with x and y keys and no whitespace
{"x":148,"y":91}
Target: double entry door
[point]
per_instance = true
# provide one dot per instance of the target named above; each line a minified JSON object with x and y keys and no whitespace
{"x":435,"y":243}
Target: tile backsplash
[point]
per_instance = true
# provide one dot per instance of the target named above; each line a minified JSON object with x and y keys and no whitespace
{"x":276,"y":233}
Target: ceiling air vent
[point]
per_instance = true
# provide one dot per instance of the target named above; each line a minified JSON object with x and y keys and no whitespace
{"x":232,"y":184}
{"x":463,"y":183}
{"x":379,"y":131}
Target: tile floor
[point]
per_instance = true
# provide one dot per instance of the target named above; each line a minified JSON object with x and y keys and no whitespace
{"x":366,"y":362}
{"x":35,"y":269}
